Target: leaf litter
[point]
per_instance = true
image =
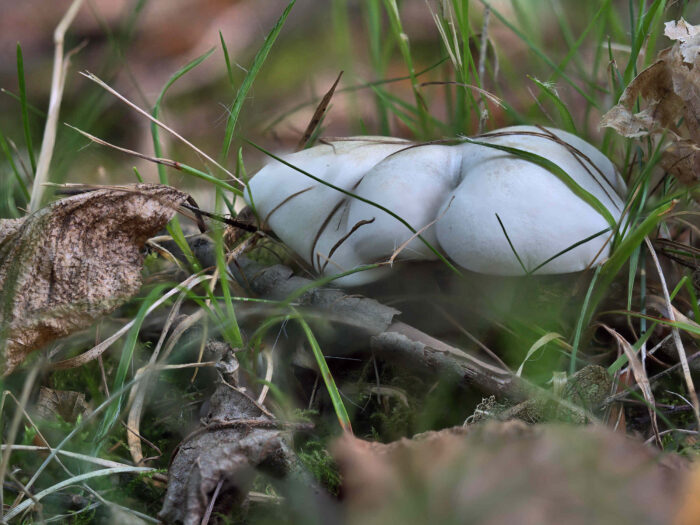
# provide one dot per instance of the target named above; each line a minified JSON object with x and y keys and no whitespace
{"x":510,"y":472}
{"x":74,"y":261}
{"x":670,"y":89}
{"x":218,"y":462}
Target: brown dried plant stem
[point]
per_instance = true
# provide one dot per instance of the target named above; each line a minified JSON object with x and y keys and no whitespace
{"x":58,"y":78}
{"x":160,"y":124}
{"x":676,"y":335}
{"x":14,"y":427}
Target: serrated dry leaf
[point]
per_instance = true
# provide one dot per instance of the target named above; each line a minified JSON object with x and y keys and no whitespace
{"x":74,"y":261}
{"x":670,"y":91}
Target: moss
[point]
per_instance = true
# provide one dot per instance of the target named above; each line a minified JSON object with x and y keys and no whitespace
{"x":320,"y":463}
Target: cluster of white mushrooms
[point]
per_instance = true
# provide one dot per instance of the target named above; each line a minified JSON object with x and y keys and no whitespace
{"x":486,"y":209}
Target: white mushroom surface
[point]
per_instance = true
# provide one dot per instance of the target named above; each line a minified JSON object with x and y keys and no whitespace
{"x":453,"y":194}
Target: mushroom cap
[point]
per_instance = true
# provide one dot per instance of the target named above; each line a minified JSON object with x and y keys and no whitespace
{"x":451,"y":194}
{"x":540,"y":213}
{"x":307,"y":215}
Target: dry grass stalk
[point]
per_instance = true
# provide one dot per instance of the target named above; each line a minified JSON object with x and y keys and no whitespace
{"x":58,"y":79}
{"x":174,"y":133}
{"x":682,"y":356}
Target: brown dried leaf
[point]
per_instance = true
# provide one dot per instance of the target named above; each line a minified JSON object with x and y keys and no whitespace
{"x":66,"y":404}
{"x":509,"y":473}
{"x":670,"y":90}
{"x":75,"y":261}
{"x":629,"y":124}
{"x":682,"y":160}
{"x":687,"y":35}
{"x":238,"y":438}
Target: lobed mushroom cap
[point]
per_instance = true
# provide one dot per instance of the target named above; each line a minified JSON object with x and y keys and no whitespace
{"x":539,"y":212}
{"x":451,"y":194}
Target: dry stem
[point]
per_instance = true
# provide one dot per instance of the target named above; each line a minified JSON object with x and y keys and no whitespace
{"x":60,"y":64}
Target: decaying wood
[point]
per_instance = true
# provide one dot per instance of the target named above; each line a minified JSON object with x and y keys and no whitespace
{"x":237,"y":439}
{"x":391,"y":340}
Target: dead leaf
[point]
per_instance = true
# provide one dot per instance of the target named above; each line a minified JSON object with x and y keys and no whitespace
{"x":66,"y":404}
{"x":682,"y":160}
{"x":670,"y":93}
{"x":689,"y":513}
{"x":75,"y":261}
{"x":238,"y":438}
{"x":640,"y":376}
{"x":509,"y":473}
{"x":687,"y":35}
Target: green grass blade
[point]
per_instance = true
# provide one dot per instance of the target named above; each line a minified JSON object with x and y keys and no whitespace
{"x":4,"y":146}
{"x":392,"y":10}
{"x":234,"y":338}
{"x":23,"y":105}
{"x":626,"y":248}
{"x":377,"y":57}
{"x":249,"y":79}
{"x":333,"y":392}
{"x":681,"y":325}
{"x":227,"y":60}
{"x":582,"y":322}
{"x":510,"y":243}
{"x":639,"y":36}
{"x":112,"y":413}
{"x":564,"y":113}
{"x":157,"y":147}
{"x":569,"y":248}
{"x":35,"y":110}
{"x":542,"y":341}
{"x":73,"y":480}
{"x":174,"y":227}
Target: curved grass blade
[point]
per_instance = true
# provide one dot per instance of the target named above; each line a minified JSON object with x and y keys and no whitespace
{"x":250,"y":78}
{"x":174,"y":227}
{"x":157,"y":147}
{"x":127,"y":355}
{"x":569,"y":248}
{"x":564,"y":113}
{"x":15,"y":511}
{"x":542,"y":341}
{"x":333,"y":392}
{"x":555,"y":169}
{"x":23,"y":105}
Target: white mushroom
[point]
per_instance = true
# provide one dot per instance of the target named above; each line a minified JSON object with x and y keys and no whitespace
{"x":541,"y":215}
{"x":452,"y":194}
